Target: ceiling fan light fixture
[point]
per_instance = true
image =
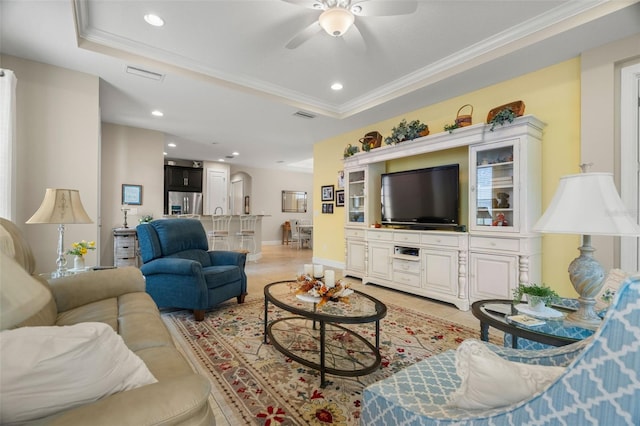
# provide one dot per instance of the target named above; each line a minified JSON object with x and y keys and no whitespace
{"x":336,"y":21}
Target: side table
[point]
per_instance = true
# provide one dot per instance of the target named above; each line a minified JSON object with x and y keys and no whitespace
{"x":495,"y":313}
{"x":125,"y":247}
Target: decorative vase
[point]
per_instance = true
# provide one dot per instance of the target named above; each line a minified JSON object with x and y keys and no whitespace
{"x":536,"y":303}
{"x":78,"y":262}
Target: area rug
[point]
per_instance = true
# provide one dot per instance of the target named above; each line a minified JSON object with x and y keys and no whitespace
{"x":254,"y":384}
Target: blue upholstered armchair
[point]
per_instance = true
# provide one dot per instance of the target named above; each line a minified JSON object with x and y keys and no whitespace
{"x":179,"y":270}
{"x":599,"y":386}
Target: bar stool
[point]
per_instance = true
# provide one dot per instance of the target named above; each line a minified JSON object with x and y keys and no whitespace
{"x":220,"y":231}
{"x":247,"y":232}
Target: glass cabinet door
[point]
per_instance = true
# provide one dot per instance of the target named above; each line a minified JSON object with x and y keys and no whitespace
{"x":356,"y":193}
{"x":494,"y":174}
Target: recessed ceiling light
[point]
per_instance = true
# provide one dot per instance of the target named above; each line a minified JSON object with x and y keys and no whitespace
{"x":336,"y":86}
{"x":154,"y":20}
{"x":157,"y":113}
{"x":221,"y":160}
{"x":164,"y":153}
{"x":171,"y":145}
{"x":235,"y":153}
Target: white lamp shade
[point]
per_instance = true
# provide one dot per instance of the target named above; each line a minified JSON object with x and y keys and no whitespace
{"x":61,"y":206}
{"x":21,"y":296}
{"x":587,"y":203}
{"x":336,"y":21}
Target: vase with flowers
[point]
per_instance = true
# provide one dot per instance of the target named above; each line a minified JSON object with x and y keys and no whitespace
{"x":79,"y":250}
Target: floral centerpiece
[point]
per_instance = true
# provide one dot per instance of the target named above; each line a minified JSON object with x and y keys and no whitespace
{"x":316,"y":288}
{"x":81,"y":248}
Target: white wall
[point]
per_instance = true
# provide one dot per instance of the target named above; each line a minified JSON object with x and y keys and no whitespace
{"x":266,"y":198}
{"x":600,"y":120}
{"x":131,"y":156}
{"x":58,"y":136}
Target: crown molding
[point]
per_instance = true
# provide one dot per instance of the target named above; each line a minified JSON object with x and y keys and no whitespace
{"x":562,"y":18}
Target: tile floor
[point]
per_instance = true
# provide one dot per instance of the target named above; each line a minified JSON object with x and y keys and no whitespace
{"x":282,"y":263}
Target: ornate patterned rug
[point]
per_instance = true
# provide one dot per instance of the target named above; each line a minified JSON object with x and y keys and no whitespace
{"x":254,"y":384}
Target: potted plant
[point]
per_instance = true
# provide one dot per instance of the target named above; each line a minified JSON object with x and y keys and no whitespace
{"x":407,"y":131}
{"x":505,"y":115}
{"x":350,"y":150}
{"x":538,"y":296}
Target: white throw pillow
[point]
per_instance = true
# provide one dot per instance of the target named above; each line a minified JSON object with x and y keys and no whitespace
{"x":489,"y":381}
{"x":44,"y":370}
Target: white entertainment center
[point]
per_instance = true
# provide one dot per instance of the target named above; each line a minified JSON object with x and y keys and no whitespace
{"x":497,"y":251}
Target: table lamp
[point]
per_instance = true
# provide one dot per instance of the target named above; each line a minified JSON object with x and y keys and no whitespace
{"x":61,"y":206}
{"x":587,"y":204}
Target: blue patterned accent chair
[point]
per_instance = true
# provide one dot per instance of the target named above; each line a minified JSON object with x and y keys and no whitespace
{"x":179,"y":270}
{"x":600,"y":385}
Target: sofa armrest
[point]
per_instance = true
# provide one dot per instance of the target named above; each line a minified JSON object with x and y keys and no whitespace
{"x":222,"y":257}
{"x":181,"y":400}
{"x":80,"y":289}
{"x":172,"y":265}
{"x":559,"y":357}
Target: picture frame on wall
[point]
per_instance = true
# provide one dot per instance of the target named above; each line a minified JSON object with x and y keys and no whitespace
{"x":327,"y":192}
{"x":341,"y":179}
{"x":327,"y":208}
{"x":340,"y":198}
{"x":132,"y":194}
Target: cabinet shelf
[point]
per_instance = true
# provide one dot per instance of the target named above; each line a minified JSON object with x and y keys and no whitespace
{"x":504,"y":164}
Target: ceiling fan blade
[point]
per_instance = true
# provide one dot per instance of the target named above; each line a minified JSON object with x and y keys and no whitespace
{"x":309,"y":4}
{"x":384,"y":8}
{"x":354,"y":40}
{"x":304,"y":35}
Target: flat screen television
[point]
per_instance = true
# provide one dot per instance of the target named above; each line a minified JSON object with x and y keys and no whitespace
{"x":423,"y":198}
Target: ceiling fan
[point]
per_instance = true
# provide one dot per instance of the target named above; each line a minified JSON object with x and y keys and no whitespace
{"x":338,"y":16}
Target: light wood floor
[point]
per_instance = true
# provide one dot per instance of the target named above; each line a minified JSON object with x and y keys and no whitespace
{"x":282,"y":262}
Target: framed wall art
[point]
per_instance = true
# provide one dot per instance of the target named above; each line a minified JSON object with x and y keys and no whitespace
{"x":132,"y":194}
{"x":340,"y":198}
{"x":327,"y":208}
{"x":327,"y":192}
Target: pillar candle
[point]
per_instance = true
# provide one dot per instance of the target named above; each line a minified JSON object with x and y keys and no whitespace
{"x":308,"y":269}
{"x":329,"y":278}
{"x":317,"y":271}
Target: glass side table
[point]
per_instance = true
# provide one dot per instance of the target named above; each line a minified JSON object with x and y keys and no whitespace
{"x":554,"y":332}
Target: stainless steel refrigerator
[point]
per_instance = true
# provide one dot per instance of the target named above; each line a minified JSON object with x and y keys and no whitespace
{"x":184,"y":203}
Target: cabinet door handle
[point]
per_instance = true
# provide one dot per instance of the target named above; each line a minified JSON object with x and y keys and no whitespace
{"x":185,"y":181}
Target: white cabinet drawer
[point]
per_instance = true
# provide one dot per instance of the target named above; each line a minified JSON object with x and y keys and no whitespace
{"x":440,"y":240}
{"x":494,"y":244}
{"x":404,"y":278}
{"x":401,"y":237}
{"x":379,"y":236}
{"x":406,"y":266}
{"x":354,"y":233}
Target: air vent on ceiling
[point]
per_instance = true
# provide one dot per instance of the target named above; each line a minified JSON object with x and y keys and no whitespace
{"x":144,"y":73}
{"x":304,"y":114}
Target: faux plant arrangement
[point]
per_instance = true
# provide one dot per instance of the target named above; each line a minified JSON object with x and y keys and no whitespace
{"x":504,"y":116}
{"x":350,"y":150}
{"x":541,"y":292}
{"x":146,"y":219}
{"x":81,"y":248}
{"x":451,"y":127}
{"x":407,"y":131}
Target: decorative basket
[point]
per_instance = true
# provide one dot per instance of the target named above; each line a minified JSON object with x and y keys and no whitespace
{"x":464,"y":120}
{"x":517,"y":107}
{"x":371,"y":140}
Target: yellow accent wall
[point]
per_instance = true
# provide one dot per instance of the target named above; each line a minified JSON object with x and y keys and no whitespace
{"x":551,"y":94}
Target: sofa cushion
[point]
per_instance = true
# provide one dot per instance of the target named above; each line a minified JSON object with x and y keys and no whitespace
{"x":165,"y":362}
{"x":217,"y":276}
{"x":50,"y":369}
{"x":490,"y":381}
{"x":105,"y":311}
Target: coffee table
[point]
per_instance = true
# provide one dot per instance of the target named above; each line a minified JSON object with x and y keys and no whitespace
{"x":555,"y":332}
{"x":316,"y":336}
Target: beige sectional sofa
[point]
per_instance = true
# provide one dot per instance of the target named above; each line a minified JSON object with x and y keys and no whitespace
{"x":117,"y":297}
